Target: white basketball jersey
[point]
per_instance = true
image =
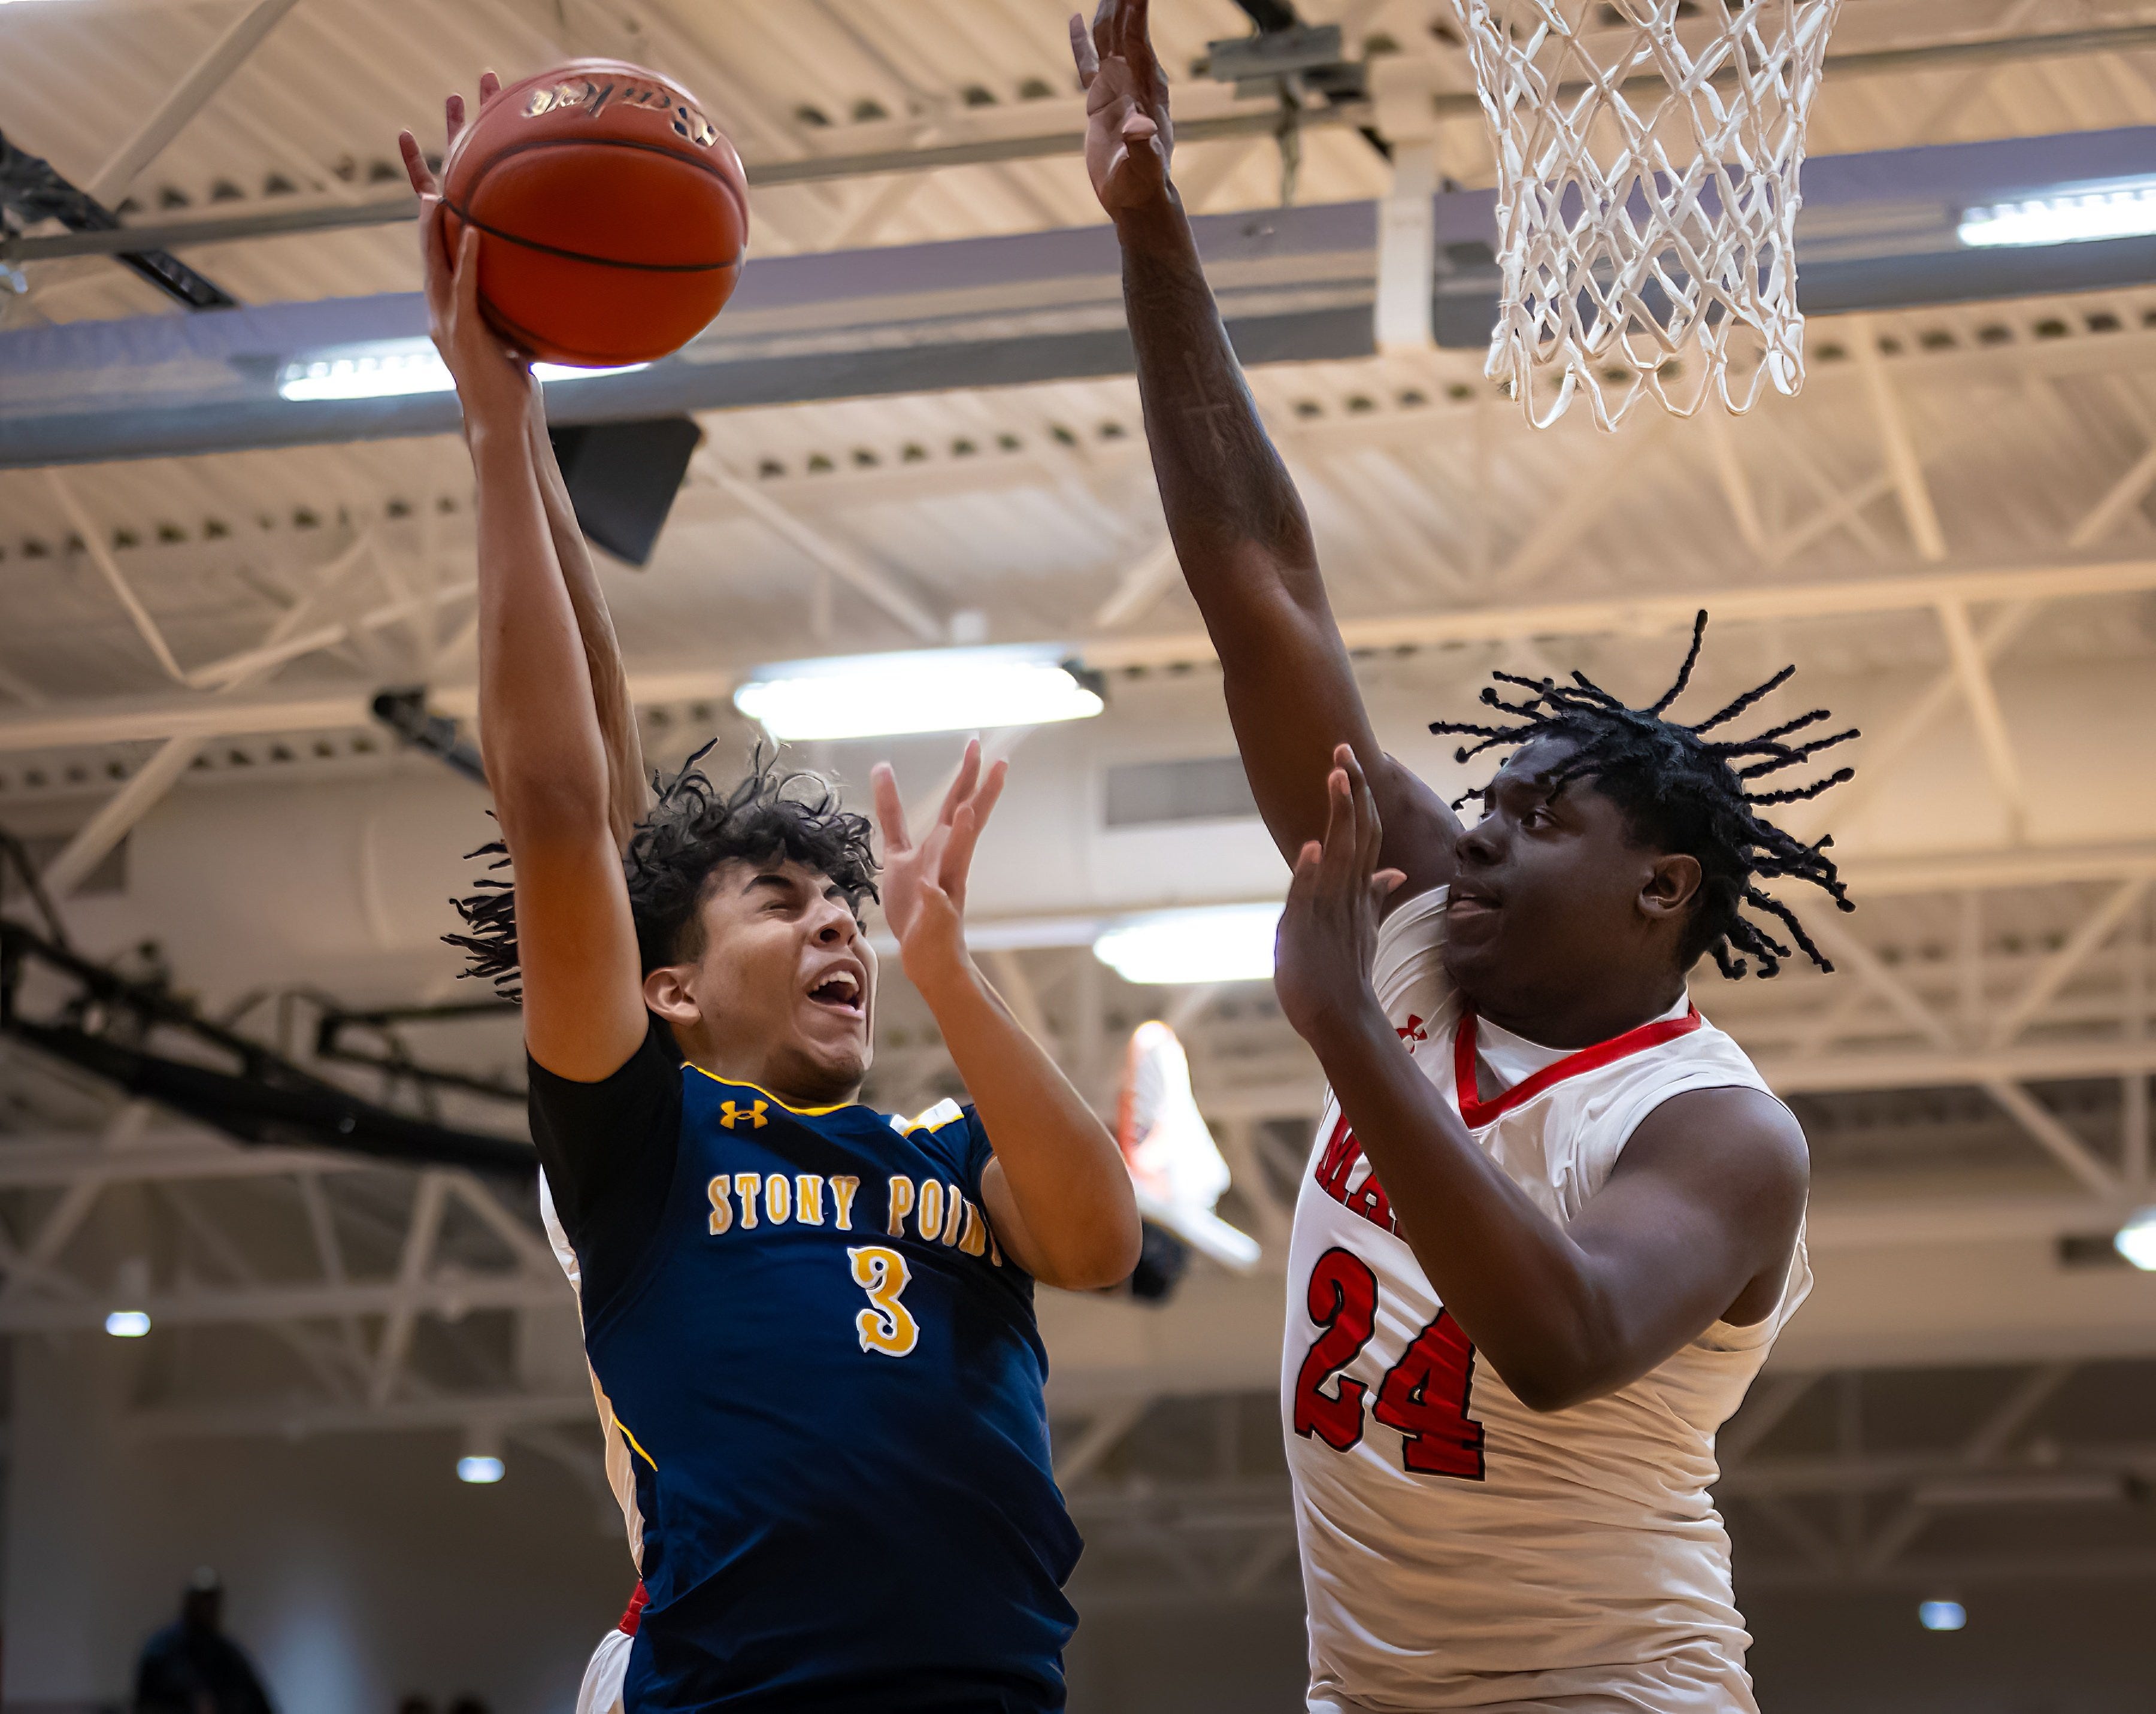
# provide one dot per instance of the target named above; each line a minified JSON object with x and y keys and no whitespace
{"x":620,"y":1477}
{"x":1459,"y":1550}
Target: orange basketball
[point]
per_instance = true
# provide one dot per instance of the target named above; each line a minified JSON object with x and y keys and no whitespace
{"x":614,"y":212}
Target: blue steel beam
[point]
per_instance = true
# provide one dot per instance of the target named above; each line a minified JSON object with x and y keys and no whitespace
{"x":1877,"y":232}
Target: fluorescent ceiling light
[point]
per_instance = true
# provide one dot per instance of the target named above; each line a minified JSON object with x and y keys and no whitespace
{"x":2069,"y":216}
{"x":478,"y":1467}
{"x":127,"y":1323}
{"x":2137,"y":1241}
{"x":917,"y":690}
{"x":391,"y":368}
{"x":1941,"y":1615}
{"x":1225,"y":943}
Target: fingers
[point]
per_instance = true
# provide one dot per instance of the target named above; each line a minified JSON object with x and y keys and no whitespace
{"x":1370,"y":826}
{"x":1081,"y":52}
{"x":962,"y":783}
{"x":1302,"y":880}
{"x":415,"y":164}
{"x":889,"y":809}
{"x":467,"y":277}
{"x":1104,"y":29}
{"x":489,"y":86}
{"x":991,"y":788}
{"x":1382,"y":885}
{"x":453,"y":115}
{"x":966,"y":833}
{"x":1333,"y":858}
{"x":433,"y":248}
{"x":1134,"y":41}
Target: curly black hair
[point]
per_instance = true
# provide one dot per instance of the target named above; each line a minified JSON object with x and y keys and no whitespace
{"x":770,"y":814}
{"x":1684,"y":793}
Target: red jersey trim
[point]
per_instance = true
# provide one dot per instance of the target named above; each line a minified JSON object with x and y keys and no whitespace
{"x":1478,"y":1113}
{"x":633,"y":1617}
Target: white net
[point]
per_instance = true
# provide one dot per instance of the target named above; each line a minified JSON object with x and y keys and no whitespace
{"x":1647,"y":161}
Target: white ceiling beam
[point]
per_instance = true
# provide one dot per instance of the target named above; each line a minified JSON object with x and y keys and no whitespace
{"x":187,"y":98}
{"x":1650,"y":614}
{"x":202,"y":1306}
{"x":52,"y":1158}
{"x":842,"y":561}
{"x":1103,"y":1432}
{"x":2095,"y":929}
{"x":1974,"y":677}
{"x":1880,"y":752}
{"x":430,"y":1200}
{"x":1848,"y":1070}
{"x":101,"y":554}
{"x":137,"y":720}
{"x":1982,"y":1447}
{"x":2057,"y":1141}
{"x":1902,"y":464}
{"x":297,"y":1417}
{"x":1149,"y":576}
{"x":1844,"y":947}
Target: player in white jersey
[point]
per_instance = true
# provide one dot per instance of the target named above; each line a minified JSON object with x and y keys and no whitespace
{"x":1553,"y":1219}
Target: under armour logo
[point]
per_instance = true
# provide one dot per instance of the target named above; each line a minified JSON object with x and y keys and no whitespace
{"x":730,"y":1116}
{"x":1412,"y":1030}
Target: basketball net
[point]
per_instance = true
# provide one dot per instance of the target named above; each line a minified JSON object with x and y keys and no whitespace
{"x":1647,"y":196}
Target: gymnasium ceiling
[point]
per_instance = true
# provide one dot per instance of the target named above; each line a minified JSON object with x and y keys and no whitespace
{"x":1950,"y":530}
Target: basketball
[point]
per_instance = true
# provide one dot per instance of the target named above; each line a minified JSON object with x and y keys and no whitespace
{"x":615,"y":213}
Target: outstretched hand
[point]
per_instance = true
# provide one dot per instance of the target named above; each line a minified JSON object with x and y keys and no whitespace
{"x":491,"y":379}
{"x":1128,"y":136}
{"x":1328,"y":930}
{"x":924,"y":886}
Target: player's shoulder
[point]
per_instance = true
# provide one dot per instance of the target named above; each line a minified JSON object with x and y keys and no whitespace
{"x":1733,"y":1130}
{"x":949,"y":1133}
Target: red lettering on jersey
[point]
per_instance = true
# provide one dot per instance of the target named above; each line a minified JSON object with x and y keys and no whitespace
{"x":1338,"y":1160}
{"x":1424,"y":1396}
{"x":1369,"y":1200}
{"x":1342,"y":1301}
{"x":1337,"y":1164}
{"x":1412,"y":1032}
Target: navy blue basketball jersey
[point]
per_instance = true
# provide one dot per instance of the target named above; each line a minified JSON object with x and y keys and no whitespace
{"x":828,"y":1375}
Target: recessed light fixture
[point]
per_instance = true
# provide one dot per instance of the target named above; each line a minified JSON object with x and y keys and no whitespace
{"x":1219,"y":943}
{"x":2068,"y":216}
{"x":478,"y":1467}
{"x":916,"y":690}
{"x":1942,"y":1615}
{"x":392,"y":368}
{"x":127,"y":1323}
{"x":2135,"y":1240}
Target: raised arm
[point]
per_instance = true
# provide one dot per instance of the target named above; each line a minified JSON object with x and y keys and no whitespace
{"x":1238,"y":526}
{"x":540,"y":728}
{"x":1057,"y":1192}
{"x":1697,"y":1222}
{"x":629,"y":788}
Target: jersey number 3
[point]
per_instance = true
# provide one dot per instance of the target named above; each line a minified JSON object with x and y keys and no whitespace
{"x":887,"y":1324}
{"x":1424,"y":1395}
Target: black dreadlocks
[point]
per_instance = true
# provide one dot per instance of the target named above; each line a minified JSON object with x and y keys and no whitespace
{"x":1686,"y":794}
{"x":692,"y":830}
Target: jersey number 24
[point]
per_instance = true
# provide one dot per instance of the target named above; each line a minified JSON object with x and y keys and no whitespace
{"x":1424,"y":1395}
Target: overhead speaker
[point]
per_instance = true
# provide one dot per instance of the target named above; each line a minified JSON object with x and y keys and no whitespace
{"x":622,"y":478}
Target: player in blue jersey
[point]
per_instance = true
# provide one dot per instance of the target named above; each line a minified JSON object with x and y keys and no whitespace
{"x":812,"y":1322}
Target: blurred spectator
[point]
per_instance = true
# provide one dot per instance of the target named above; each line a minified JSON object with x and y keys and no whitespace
{"x":191,"y":1667}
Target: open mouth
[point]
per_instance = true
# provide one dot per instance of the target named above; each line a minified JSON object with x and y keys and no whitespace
{"x":1469,"y":902}
{"x":841,"y":991}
